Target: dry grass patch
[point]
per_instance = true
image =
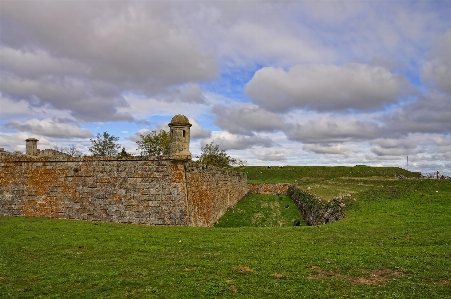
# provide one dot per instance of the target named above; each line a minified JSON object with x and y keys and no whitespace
{"x":257,"y":218}
{"x":243,"y":269}
{"x":445,"y":282}
{"x":369,"y":277}
{"x":277,"y":275}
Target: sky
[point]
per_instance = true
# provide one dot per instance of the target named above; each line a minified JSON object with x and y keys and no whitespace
{"x":272,"y":82}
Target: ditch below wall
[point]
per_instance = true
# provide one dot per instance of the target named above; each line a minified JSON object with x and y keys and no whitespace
{"x":153,"y":191}
{"x":280,"y":188}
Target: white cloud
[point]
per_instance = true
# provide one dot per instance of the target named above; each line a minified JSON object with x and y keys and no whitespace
{"x":270,"y":154}
{"x":380,"y":151}
{"x":33,"y":63}
{"x":437,"y":71}
{"x":141,"y":107}
{"x":247,"y":119}
{"x":197,"y":132}
{"x":326,"y":87}
{"x":430,"y":113}
{"x":93,"y":58}
{"x":51,"y":127}
{"x":89,"y":101}
{"x":13,"y":108}
{"x":330,"y":149}
{"x":227,"y":141}
{"x":252,"y":42}
{"x":332,"y":129}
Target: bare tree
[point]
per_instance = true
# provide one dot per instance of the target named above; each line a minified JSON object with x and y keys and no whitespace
{"x":71,"y":150}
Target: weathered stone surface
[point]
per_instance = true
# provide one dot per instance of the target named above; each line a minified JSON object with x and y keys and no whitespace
{"x":132,"y":190}
{"x":211,"y":191}
{"x":314,"y":210}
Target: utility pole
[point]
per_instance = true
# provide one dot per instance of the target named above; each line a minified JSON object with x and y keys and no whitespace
{"x":407,"y":162}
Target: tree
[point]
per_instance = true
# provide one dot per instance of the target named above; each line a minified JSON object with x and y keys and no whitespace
{"x":211,"y":155}
{"x":124,"y":153}
{"x":104,"y":145}
{"x":154,"y":144}
{"x":71,"y":150}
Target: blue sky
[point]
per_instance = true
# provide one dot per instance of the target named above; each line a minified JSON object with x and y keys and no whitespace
{"x":272,"y":82}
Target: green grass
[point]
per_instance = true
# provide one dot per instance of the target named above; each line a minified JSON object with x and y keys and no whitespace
{"x":261,"y":210}
{"x":394,"y":243}
{"x":291,"y":174}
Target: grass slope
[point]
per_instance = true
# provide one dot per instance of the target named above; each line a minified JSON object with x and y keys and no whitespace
{"x":291,"y":174}
{"x":261,"y":210}
{"x":394,"y":243}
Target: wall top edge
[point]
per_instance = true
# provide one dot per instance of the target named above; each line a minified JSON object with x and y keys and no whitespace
{"x":83,"y":159}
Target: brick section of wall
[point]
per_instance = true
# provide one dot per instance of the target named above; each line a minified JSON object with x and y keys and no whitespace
{"x":268,"y":188}
{"x":131,"y":190}
{"x":211,"y":191}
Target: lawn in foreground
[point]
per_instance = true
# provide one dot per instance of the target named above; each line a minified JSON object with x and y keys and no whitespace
{"x":394,"y":243}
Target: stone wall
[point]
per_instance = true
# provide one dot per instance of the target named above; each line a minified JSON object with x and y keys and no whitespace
{"x":132,"y":190}
{"x":211,"y":191}
{"x":51,"y":153}
{"x":314,"y":210}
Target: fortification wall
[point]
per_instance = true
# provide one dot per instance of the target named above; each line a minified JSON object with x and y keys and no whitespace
{"x":131,"y":190}
{"x":211,"y":191}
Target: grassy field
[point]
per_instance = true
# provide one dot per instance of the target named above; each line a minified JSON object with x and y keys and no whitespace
{"x":394,"y":243}
{"x":291,"y":174}
{"x":328,"y":182}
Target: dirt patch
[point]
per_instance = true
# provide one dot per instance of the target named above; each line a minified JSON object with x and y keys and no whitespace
{"x":277,"y":275}
{"x":444,"y":282}
{"x":243,"y":269}
{"x":368,"y":277}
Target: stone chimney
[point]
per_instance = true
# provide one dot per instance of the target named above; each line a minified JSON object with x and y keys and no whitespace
{"x":31,"y":146}
{"x":180,"y":137}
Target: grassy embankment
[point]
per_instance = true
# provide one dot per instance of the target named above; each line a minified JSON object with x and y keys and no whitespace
{"x":394,"y":243}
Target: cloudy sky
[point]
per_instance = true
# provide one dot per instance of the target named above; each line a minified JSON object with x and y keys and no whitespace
{"x":272,"y":82}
